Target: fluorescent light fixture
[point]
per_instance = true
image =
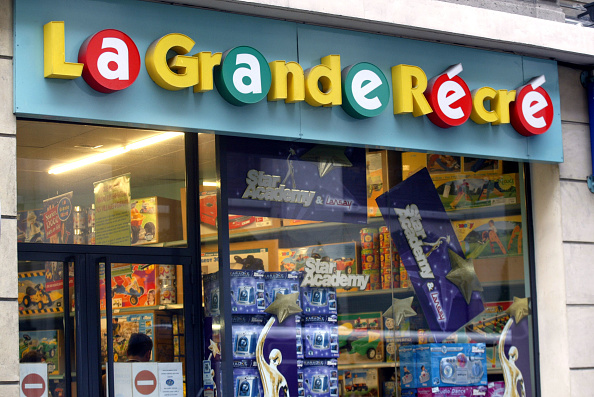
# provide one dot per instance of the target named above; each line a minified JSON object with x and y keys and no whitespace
{"x":114,"y":152}
{"x":210,"y":183}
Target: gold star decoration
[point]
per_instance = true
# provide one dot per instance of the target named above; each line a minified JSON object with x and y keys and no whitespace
{"x":214,"y":348}
{"x":463,"y":275}
{"x":327,"y":157}
{"x":400,"y":309}
{"x":519,"y":309}
{"x":284,"y":306}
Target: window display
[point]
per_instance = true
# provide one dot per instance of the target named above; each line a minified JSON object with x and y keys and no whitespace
{"x":414,"y":287}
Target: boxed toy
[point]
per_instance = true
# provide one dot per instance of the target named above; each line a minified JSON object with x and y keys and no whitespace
{"x":439,"y":164}
{"x":155,"y":220}
{"x":30,"y":226}
{"x":490,"y":237}
{"x":48,"y":343}
{"x":58,"y":222}
{"x":390,"y":388}
{"x":247,"y":292}
{"x":377,"y":180}
{"x":360,"y":382}
{"x":318,"y":300}
{"x":237,"y":223}
{"x":461,"y":391}
{"x":248,"y":259}
{"x":247,"y":383}
{"x":343,"y":254}
{"x":496,"y":389}
{"x":460,"y":364}
{"x":320,"y":337}
{"x":41,"y":291}
{"x":210,"y":285}
{"x":487,"y":327}
{"x":317,"y":378}
{"x":475,"y":191}
{"x":131,"y":285}
{"x":408,"y":393}
{"x":422,"y":370}
{"x":246,"y":330}
{"x":281,"y":283}
{"x":155,"y":324}
{"x":360,"y":338}
{"x":408,"y":378}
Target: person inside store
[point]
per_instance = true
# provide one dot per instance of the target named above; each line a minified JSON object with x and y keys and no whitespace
{"x":33,"y":356}
{"x":140,"y":348}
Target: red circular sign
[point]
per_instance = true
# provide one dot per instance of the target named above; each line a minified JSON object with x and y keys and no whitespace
{"x":145,"y":382}
{"x":450,"y":100}
{"x":532,"y":112}
{"x":33,"y":385}
{"x":111,"y":61}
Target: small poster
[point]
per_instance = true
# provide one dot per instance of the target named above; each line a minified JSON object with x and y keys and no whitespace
{"x":171,"y":380}
{"x":112,"y":211}
{"x":58,"y":222}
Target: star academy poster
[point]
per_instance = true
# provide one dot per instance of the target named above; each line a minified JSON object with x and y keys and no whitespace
{"x":444,"y":280}
{"x":296,"y":180}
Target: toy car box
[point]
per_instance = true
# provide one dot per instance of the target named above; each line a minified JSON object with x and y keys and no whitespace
{"x":41,"y":291}
{"x":155,"y":220}
{"x":49,"y":343}
{"x":456,"y":364}
{"x":132,"y":285}
{"x":360,"y":338}
{"x":360,"y":382}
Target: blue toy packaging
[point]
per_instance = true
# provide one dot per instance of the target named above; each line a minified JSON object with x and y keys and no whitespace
{"x":211,"y":295}
{"x":422,"y":368}
{"x":409,"y":393}
{"x":317,"y":378}
{"x":299,"y":337}
{"x":246,"y":383}
{"x":284,"y":283}
{"x":458,"y":364}
{"x":320,"y":337}
{"x":247,"y":292}
{"x":408,"y":380}
{"x":390,"y":388}
{"x":318,"y":301}
{"x":246,"y":330}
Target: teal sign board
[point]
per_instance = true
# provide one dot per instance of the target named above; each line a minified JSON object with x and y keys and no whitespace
{"x":349,"y":87}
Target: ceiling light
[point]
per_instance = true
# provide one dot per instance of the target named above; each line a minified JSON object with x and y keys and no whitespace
{"x":114,"y":152}
{"x":210,"y":183}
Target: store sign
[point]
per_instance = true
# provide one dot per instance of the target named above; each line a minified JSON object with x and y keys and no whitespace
{"x":109,"y":61}
{"x":324,"y":274}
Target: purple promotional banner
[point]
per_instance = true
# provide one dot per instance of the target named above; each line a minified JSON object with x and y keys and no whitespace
{"x":295,"y":180}
{"x":444,"y":281}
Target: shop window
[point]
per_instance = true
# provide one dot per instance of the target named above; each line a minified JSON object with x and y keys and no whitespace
{"x":355,"y":271}
{"x":85,"y":184}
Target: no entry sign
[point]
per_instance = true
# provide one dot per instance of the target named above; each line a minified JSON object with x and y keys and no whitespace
{"x":144,"y":380}
{"x":33,"y":380}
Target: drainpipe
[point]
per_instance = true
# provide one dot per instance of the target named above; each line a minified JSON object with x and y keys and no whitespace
{"x":588,"y":82}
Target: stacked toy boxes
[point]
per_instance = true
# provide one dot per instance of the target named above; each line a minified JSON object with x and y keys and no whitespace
{"x":443,"y":366}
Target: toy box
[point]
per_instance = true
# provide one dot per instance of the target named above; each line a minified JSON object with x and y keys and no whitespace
{"x":245,"y":332}
{"x":318,"y":300}
{"x":389,"y":389}
{"x":440,"y":164}
{"x":317,"y":378}
{"x":247,"y":292}
{"x":41,"y":291}
{"x":210,"y":286}
{"x":457,"y":364}
{"x":496,"y":389}
{"x":487,"y":327}
{"x":360,"y":382}
{"x":49,"y":343}
{"x":247,"y":383}
{"x":490,"y":237}
{"x":377,"y":180}
{"x":281,"y":283}
{"x":423,"y":371}
{"x":155,"y":324}
{"x":248,"y":259}
{"x":30,"y":226}
{"x":132,"y":285}
{"x":320,"y":337}
{"x":408,"y":378}
{"x":344,"y":254}
{"x":461,"y":391}
{"x":155,"y":220}
{"x":360,"y":338}
{"x":474,"y":191}
{"x":237,"y":223}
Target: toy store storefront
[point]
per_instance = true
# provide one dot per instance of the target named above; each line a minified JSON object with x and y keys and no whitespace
{"x":233,"y":217}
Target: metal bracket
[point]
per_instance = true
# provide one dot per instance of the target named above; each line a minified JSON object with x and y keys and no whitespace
{"x":591,"y":183}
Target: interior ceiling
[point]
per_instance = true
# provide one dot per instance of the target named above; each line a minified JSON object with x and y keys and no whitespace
{"x":43,"y":145}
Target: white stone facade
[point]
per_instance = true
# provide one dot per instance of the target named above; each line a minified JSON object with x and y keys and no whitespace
{"x":563,"y":205}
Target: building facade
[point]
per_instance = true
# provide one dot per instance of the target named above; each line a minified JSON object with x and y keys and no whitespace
{"x":560,"y":197}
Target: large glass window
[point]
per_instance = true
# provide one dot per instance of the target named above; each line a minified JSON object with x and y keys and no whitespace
{"x":352,"y":271}
{"x":84,"y":184}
